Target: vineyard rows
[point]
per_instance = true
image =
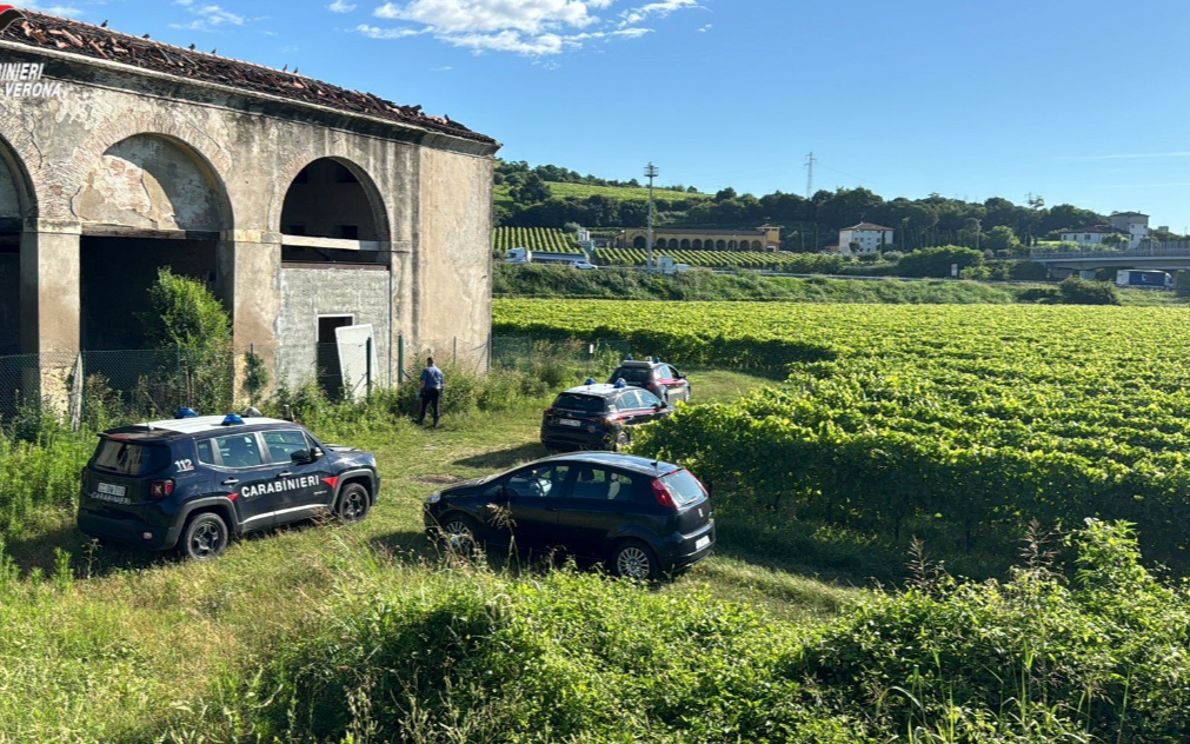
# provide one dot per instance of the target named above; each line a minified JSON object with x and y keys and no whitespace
{"x":549,"y":239}
{"x":960,"y":423}
{"x":789,"y":262}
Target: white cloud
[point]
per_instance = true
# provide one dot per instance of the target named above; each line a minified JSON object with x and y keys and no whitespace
{"x":705,"y":28}
{"x":210,"y":17}
{"x":339,"y":6}
{"x":68,"y":11}
{"x":375,"y":32}
{"x":531,"y":28}
{"x":661,"y":9}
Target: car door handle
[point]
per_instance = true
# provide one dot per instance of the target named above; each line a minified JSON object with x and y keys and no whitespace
{"x":232,"y":482}
{"x":285,"y":474}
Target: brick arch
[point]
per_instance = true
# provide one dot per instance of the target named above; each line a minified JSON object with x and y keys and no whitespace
{"x":348,"y":157}
{"x":14,"y":166}
{"x":214,"y":161}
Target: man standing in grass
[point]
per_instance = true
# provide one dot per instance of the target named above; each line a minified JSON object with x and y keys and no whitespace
{"x":432,"y":382}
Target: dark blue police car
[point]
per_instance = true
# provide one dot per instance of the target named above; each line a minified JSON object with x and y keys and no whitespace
{"x":195,"y":483}
{"x":599,"y":416}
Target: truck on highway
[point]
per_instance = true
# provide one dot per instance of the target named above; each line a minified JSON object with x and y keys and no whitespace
{"x":1145,"y":279}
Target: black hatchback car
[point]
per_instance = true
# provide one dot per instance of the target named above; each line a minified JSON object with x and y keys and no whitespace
{"x":659,"y":378}
{"x":642,"y":517}
{"x":598,"y":416}
{"x":194,"y":483}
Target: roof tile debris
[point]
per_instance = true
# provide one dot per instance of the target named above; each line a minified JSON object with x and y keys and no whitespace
{"x":51,"y":32}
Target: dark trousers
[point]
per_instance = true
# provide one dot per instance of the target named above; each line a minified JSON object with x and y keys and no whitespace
{"x":431,"y":397}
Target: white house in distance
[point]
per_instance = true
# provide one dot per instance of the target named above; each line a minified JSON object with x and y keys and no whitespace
{"x":1135,"y":224}
{"x":865,"y":237}
{"x":1092,"y":236}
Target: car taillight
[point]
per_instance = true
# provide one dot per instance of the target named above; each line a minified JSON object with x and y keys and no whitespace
{"x":663,"y":495}
{"x":161,"y":489}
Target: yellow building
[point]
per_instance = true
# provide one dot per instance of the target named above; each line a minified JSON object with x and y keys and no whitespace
{"x":765,"y":238}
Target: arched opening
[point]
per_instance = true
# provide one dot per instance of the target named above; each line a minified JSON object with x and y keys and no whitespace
{"x":641,"y":242}
{"x":150,"y":202}
{"x":673,"y":243}
{"x":333,"y":214}
{"x":685,"y":244}
{"x":659,"y":244}
{"x":334,"y":219}
{"x":720,"y":245}
{"x":755,"y":245}
{"x":14,"y":207}
{"x":731,"y":245}
{"x":697,"y":244}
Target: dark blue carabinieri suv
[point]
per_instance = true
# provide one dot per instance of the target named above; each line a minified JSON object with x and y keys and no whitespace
{"x":193,"y":484}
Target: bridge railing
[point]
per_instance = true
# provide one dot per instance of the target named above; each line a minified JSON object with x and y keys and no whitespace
{"x":1179,"y":248}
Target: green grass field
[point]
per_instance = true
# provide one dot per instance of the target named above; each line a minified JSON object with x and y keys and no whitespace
{"x":109,"y":645}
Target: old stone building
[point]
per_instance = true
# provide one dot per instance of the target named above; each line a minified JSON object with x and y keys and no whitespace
{"x":306,"y":206}
{"x":766,"y":238}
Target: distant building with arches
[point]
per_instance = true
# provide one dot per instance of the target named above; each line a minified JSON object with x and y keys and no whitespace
{"x":765,"y":238}
{"x":305,"y":206}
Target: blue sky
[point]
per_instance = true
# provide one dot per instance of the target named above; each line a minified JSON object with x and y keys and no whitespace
{"x":1080,"y":101}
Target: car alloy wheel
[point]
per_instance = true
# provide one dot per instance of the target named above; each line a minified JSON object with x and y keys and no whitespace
{"x":459,"y":535}
{"x":205,"y":538}
{"x":634,"y":562}
{"x":353,"y":503}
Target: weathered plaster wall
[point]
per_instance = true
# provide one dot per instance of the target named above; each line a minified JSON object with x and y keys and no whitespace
{"x":455,"y":266}
{"x":308,"y":293}
{"x":150,"y":183}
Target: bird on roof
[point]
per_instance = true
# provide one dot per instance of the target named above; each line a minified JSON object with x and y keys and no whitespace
{"x":295,"y":71}
{"x":193,"y":47}
{"x":145,"y":36}
{"x":104,"y":24}
{"x":285,"y":68}
{"x":214,"y":51}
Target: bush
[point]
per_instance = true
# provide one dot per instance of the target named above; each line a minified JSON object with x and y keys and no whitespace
{"x":937,"y":262}
{"x":1040,"y":295}
{"x":475,"y":657}
{"x":1076,"y":291}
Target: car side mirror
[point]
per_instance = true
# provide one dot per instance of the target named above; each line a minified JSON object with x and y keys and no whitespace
{"x":659,"y":406}
{"x":305,"y":457}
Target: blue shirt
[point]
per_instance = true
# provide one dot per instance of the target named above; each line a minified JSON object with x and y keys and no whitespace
{"x":432,"y":379}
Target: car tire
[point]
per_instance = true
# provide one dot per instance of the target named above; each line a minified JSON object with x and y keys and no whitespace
{"x":633,"y":559}
{"x":622,"y":440}
{"x":459,"y":533}
{"x":354,"y":503}
{"x":205,"y":537}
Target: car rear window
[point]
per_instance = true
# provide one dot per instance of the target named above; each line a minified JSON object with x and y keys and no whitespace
{"x":130,"y":458}
{"x":633,"y":374}
{"x":581,"y":403}
{"x":684,"y":486}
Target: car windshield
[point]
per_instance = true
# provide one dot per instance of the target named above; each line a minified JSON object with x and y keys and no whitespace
{"x":129,"y":458}
{"x":580,"y":403}
{"x":684,"y":486}
{"x":633,"y":374}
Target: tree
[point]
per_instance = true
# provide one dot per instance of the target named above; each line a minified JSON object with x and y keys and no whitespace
{"x":725,"y":194}
{"x":937,"y":262}
{"x":188,"y":320}
{"x":1002,"y":238}
{"x":532,"y":191}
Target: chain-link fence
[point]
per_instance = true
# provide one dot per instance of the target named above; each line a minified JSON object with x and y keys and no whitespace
{"x":97,"y":385}
{"x":527,"y":353}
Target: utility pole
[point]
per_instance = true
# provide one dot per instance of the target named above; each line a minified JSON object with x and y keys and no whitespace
{"x":810,"y":160}
{"x":651,"y":172}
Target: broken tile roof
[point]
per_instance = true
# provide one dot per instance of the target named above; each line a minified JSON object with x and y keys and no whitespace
{"x":51,"y":32}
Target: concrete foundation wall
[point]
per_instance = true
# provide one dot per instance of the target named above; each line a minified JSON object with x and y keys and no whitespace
{"x":455,"y":287}
{"x":307,"y":294}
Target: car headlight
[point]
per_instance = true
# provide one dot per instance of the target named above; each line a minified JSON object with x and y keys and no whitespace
{"x":434,"y":498}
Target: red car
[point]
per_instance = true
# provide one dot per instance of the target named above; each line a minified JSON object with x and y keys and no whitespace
{"x":659,"y":378}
